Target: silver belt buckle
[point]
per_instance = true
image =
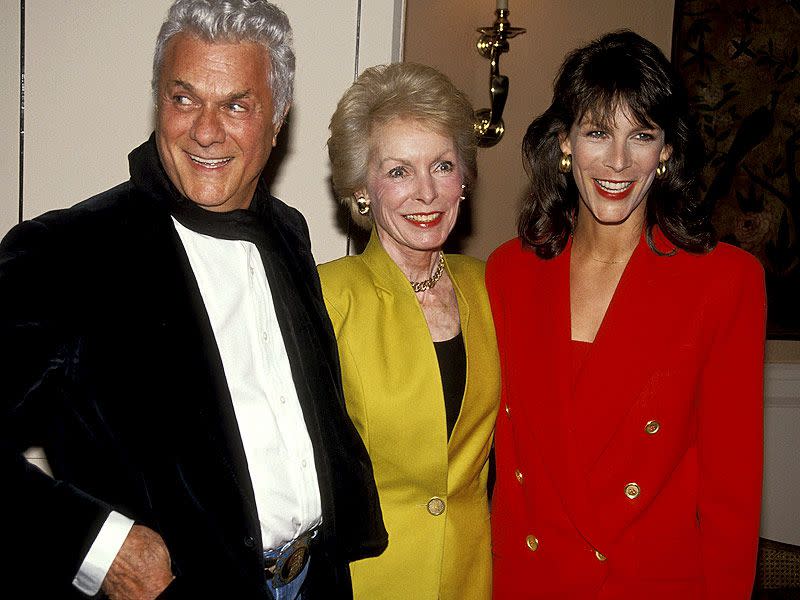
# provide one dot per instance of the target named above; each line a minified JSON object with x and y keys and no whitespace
{"x":291,"y":561}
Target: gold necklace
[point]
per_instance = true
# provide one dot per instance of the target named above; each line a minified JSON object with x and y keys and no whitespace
{"x":609,"y":262}
{"x":421,"y":286}
{"x":606,"y":262}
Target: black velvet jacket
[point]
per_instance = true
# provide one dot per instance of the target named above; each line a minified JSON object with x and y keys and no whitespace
{"x":108,"y":361}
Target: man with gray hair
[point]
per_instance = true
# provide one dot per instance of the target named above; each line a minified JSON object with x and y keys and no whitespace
{"x":167,"y":344}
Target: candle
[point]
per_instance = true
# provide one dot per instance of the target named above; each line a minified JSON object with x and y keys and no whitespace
{"x":502,"y":4}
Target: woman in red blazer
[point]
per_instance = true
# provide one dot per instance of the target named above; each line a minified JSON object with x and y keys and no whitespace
{"x":629,"y":440}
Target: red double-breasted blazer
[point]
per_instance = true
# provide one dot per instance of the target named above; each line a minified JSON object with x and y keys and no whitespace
{"x":641,"y":472}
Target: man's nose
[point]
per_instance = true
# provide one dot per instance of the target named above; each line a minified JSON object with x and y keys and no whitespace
{"x":207,"y":128}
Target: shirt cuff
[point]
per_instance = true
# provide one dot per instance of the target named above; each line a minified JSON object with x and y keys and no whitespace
{"x":101,"y":554}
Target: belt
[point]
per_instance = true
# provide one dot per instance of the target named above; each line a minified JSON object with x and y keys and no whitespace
{"x":283,"y":566}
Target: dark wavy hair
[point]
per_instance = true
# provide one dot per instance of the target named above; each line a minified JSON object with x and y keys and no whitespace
{"x":619,"y":70}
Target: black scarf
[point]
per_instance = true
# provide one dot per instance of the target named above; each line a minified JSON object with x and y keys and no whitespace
{"x":250,"y":224}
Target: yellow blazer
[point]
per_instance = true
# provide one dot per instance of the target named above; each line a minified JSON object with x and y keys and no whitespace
{"x":394,"y":396}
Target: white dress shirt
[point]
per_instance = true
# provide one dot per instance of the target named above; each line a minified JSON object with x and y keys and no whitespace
{"x":277,"y":446}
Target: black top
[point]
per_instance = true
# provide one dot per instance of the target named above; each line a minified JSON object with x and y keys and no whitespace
{"x":453,"y":369}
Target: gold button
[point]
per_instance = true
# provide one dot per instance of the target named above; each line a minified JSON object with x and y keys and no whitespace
{"x":632,"y":490}
{"x":601,"y":557}
{"x":532,"y":543}
{"x":652,"y":427}
{"x":435,"y":506}
{"x":518,"y":474}
{"x":508,"y":411}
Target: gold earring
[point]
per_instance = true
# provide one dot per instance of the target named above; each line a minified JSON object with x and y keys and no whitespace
{"x":363,"y":205}
{"x":661,"y":169}
{"x":565,"y":164}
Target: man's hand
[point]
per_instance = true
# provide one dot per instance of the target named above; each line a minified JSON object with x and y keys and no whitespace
{"x":141,"y":569}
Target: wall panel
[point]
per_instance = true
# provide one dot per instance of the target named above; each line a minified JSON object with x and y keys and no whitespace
{"x":326,"y":44}
{"x":780,"y":514}
{"x":88,"y":66}
{"x":9,"y":113}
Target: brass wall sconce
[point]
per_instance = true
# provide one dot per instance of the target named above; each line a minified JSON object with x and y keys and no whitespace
{"x":492,"y":43}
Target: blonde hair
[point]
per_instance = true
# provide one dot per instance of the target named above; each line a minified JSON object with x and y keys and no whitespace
{"x":382,"y":94}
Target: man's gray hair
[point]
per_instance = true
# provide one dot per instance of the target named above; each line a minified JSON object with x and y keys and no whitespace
{"x":256,"y":21}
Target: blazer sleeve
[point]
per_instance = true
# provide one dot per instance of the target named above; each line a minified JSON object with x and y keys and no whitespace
{"x":49,"y":522}
{"x":730,"y":438}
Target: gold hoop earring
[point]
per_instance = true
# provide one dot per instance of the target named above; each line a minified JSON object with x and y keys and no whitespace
{"x":661,"y":169}
{"x":565,"y":164}
{"x":363,"y":205}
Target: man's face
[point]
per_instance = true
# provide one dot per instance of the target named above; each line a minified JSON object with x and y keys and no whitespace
{"x":215,"y":129}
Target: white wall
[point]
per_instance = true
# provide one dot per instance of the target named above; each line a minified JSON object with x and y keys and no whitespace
{"x":328,"y":55}
{"x":88,"y":101}
{"x":87,"y":97}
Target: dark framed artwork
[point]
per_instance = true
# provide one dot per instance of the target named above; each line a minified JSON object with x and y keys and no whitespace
{"x":739,"y":59}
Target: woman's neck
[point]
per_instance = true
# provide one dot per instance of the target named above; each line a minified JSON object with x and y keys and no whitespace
{"x":609,"y":244}
{"x":416,"y":265}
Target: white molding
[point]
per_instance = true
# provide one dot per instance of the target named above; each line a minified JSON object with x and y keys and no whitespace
{"x":9,"y":105}
{"x":782,"y":385}
{"x":382,"y":32}
{"x":781,"y":491}
{"x":399,"y":30}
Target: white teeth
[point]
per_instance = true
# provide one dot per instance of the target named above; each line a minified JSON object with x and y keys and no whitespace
{"x":423,"y":218}
{"x":614,"y":186}
{"x":209,"y":162}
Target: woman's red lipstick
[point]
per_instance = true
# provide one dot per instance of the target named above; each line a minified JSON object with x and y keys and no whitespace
{"x":613,"y":190}
{"x":424,"y":220}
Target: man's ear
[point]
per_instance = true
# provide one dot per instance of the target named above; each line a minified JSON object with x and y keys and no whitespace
{"x":277,"y":129}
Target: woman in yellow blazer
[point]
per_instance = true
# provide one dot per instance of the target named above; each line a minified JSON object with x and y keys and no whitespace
{"x":415,"y":334}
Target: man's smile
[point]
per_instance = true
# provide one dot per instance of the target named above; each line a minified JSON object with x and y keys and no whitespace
{"x":210,"y":163}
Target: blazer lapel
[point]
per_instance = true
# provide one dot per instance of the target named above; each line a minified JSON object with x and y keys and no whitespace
{"x":199,"y":415}
{"x":412,"y":346}
{"x":618,"y":360}
{"x":463,"y":315}
{"x":626,"y":352}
